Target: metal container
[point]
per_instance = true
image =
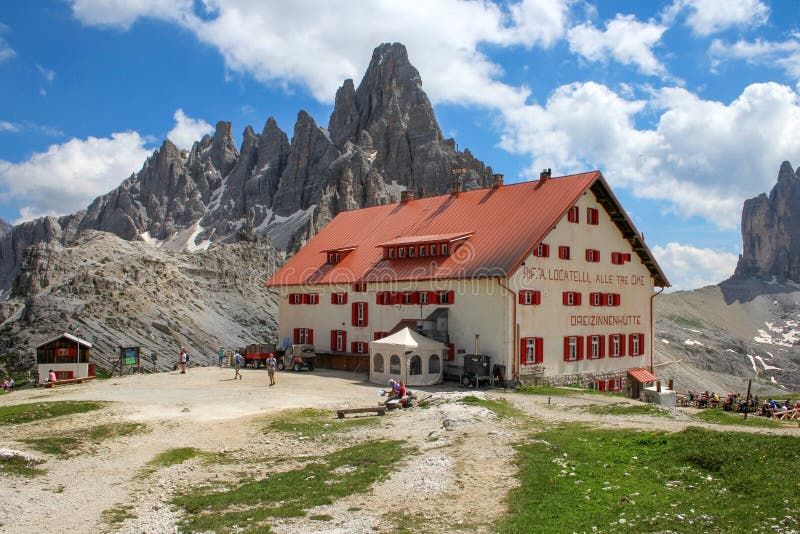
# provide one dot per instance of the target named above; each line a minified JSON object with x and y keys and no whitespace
{"x":477,"y":364}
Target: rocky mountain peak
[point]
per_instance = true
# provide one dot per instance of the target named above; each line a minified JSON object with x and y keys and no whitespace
{"x":382,"y":137}
{"x":770,"y":232}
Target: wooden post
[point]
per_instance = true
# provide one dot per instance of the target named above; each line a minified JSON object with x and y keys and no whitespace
{"x":671,"y":384}
{"x":747,"y":399}
{"x":658,"y":386}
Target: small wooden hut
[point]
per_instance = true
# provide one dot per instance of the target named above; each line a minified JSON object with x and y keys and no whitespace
{"x":67,"y":355}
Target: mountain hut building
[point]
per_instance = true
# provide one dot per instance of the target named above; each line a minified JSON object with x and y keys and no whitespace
{"x":549,"y":278}
{"x":67,"y":355}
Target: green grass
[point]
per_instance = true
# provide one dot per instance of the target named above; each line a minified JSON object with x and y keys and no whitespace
{"x":501,"y":407}
{"x":73,"y":442}
{"x":624,"y":409}
{"x":169,"y":458}
{"x":553,"y":391}
{"x":115,"y":516}
{"x":18,"y":466}
{"x":18,"y":414}
{"x":719,"y":417}
{"x":575,"y":479}
{"x":290,"y":493}
{"x":311,"y":423}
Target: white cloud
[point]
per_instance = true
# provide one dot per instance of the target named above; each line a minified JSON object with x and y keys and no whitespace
{"x":48,"y":74}
{"x":187,"y":130}
{"x":707,"y":17}
{"x":319,"y":52}
{"x":6,"y":52}
{"x":6,"y":126}
{"x":688,"y":267}
{"x":123,"y":13}
{"x":68,"y":176}
{"x":783,"y":54}
{"x":703,"y":158}
{"x":626,"y":39}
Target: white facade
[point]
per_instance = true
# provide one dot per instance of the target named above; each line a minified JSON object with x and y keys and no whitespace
{"x":490,"y":308}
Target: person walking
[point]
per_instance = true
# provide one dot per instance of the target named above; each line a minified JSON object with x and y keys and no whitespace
{"x":272,"y":365}
{"x":221,"y":355}
{"x":182,"y":359}
{"x":237,"y":363}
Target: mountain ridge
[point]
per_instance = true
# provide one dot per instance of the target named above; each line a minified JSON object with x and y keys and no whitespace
{"x":382,"y":137}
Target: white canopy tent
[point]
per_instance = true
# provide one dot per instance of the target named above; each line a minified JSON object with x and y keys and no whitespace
{"x":407,"y":356}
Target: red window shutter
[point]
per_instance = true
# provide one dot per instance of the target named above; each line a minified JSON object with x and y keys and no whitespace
{"x":451,"y":297}
{"x":522,"y":350}
{"x":451,"y":351}
{"x":537,"y":297}
{"x":592,"y":299}
{"x":602,"y":344}
{"x":297,"y":335}
{"x":310,"y":336}
{"x":589,"y":254}
{"x":397,"y":298}
{"x":539,"y":350}
{"x":344,"y":340}
{"x":622,"y":346}
{"x":521,"y":298}
{"x":353,"y":346}
{"x":630,"y":344}
{"x":333,"y":340}
{"x":306,"y":298}
{"x":566,"y":348}
{"x":546,"y":250}
{"x":415,"y":297}
{"x":366,"y":314}
{"x":354,"y":314}
{"x":628,"y":257}
{"x":565,"y":298}
{"x":580,"y":345}
{"x":577,"y":299}
{"x":344,"y":297}
{"x":601,"y":385}
{"x":333,"y":298}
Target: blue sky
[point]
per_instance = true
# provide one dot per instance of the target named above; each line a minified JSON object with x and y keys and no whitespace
{"x":687,"y":106}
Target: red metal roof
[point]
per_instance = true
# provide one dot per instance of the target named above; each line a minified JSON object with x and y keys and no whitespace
{"x":419,"y":239}
{"x":642,"y":375}
{"x":505,"y":223}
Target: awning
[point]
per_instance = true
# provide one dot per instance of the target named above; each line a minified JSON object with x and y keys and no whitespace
{"x":642,"y":375}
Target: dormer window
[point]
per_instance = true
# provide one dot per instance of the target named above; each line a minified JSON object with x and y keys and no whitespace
{"x":423,"y":251}
{"x":334,"y":258}
{"x":401,"y":252}
{"x":434,"y":250}
{"x":445,"y":250}
{"x":412,"y":251}
{"x":391,"y":253}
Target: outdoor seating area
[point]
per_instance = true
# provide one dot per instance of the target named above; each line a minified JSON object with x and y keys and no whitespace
{"x":736,"y":403}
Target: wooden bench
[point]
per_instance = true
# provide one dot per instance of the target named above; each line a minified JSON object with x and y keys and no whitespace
{"x":66,"y":381}
{"x":789,"y":414}
{"x":380,"y":410}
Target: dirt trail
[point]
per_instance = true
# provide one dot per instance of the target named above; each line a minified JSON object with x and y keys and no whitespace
{"x":462,"y":451}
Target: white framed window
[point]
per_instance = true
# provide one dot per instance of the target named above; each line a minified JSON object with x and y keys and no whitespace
{"x":434,"y":250}
{"x":572,"y":348}
{"x":303,"y":335}
{"x":636,"y":348}
{"x":527,"y":297}
{"x":423,"y":297}
{"x":594,"y":347}
{"x":423,"y":251}
{"x":339,"y":298}
{"x":445,"y":249}
{"x":391,"y":253}
{"x":408,"y":297}
{"x":530,"y":350}
{"x":412,"y":251}
{"x":401,"y":252}
{"x":340,"y":340}
{"x":360,"y":313}
{"x":615,"y":345}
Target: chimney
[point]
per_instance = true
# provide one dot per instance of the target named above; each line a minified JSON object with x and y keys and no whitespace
{"x":544,"y":175}
{"x":497,"y":181}
{"x":457,"y":182}
{"x":406,"y":196}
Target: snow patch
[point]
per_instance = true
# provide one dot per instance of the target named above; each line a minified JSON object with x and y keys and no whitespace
{"x":691,"y":342}
{"x":665,"y":341}
{"x":753,"y":362}
{"x":191,"y":246}
{"x":767,"y":367}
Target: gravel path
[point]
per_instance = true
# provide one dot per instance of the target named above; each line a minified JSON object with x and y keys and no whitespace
{"x":463,"y":451}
